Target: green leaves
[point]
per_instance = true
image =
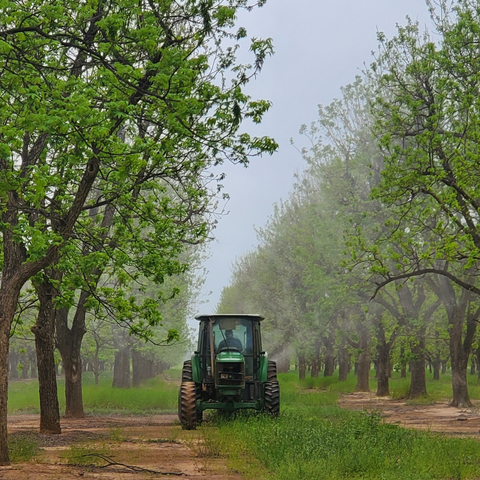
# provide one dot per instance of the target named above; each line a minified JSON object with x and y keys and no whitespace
{"x":111,"y":115}
{"x":427,"y":115}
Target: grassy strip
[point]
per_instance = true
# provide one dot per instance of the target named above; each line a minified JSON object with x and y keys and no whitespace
{"x":342,"y":446}
{"x":313,"y":438}
{"x":154,"y":396}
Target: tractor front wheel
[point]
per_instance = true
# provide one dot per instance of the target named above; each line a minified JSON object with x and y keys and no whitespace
{"x":187,"y":408}
{"x":272,"y":398}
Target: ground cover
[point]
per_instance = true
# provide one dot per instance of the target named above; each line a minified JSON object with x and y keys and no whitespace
{"x":155,"y":395}
{"x":325,"y":430}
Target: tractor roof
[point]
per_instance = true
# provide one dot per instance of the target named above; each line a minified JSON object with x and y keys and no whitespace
{"x":229,"y":315}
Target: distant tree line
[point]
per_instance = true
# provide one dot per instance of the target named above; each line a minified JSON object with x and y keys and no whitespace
{"x":374,"y":257}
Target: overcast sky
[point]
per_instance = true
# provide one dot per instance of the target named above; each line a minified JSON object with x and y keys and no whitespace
{"x":320,"y":45}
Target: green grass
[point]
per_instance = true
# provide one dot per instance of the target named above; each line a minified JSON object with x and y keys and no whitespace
{"x":23,"y":397}
{"x":153,"y":396}
{"x":314,"y":439}
{"x":22,"y":447}
{"x":346,"y":445}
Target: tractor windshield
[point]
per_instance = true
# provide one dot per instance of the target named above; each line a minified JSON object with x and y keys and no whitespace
{"x":233,"y":334}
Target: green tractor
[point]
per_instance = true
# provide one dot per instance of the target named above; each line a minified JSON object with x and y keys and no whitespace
{"x":229,"y":371}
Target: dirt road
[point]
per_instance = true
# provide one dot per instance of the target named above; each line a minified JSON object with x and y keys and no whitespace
{"x":135,"y":447}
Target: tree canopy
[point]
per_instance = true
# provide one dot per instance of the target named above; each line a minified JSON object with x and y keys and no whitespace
{"x":108,"y":108}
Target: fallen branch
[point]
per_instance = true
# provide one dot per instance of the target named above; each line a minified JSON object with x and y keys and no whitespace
{"x":133,"y":468}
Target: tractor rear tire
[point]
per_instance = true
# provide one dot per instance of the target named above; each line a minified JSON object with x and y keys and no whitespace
{"x":272,"y":398}
{"x":187,"y":408}
{"x":187,"y":375}
{"x":272,"y":371}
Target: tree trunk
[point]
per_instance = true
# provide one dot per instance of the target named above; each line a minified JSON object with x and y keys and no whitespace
{"x":44,"y":331}
{"x":363,"y":365}
{"x":329,"y":366}
{"x":459,"y":360}
{"x":316,"y":363}
{"x":301,"y":367}
{"x":24,"y":367}
{"x":477,"y":359}
{"x":383,"y":389}
{"x":363,"y":373}
{"x":383,"y":357}
{"x":437,"y":363}
{"x":72,"y":369}
{"x":459,"y":354}
{"x":69,"y":343}
{"x":9,"y":293}
{"x":418,"y":382}
{"x":32,"y":355}
{"x":343,"y":363}
{"x":403,"y":363}
{"x":96,"y":360}
{"x":461,"y":310}
{"x":121,"y":368}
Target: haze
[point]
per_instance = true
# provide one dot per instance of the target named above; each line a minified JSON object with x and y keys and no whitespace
{"x":319,"y":47}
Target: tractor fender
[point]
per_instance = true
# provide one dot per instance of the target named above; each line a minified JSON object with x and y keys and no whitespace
{"x":262,"y":371}
{"x":196,"y":371}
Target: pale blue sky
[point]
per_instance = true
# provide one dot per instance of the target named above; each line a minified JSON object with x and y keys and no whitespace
{"x":320,"y":45}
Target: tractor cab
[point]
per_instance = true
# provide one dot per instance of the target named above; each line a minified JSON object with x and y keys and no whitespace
{"x":223,"y":337}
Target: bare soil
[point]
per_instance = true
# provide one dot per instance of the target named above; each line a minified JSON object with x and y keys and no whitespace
{"x":437,"y":417}
{"x":115,"y":448}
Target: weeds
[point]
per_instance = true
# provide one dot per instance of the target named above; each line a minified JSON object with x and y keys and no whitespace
{"x":85,"y":454}
{"x":22,"y":447}
{"x":314,"y":439}
{"x":116,"y":434}
{"x":357,"y":445}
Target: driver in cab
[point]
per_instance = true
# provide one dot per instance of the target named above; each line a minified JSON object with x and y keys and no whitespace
{"x":230,"y":342}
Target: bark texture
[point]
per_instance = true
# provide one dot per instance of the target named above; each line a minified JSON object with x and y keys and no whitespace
{"x":418,"y":381}
{"x":329,"y":360}
{"x":44,"y":331}
{"x":343,"y":362}
{"x":69,"y":343}
{"x":302,"y":366}
{"x":462,"y":320}
{"x":121,"y":368}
